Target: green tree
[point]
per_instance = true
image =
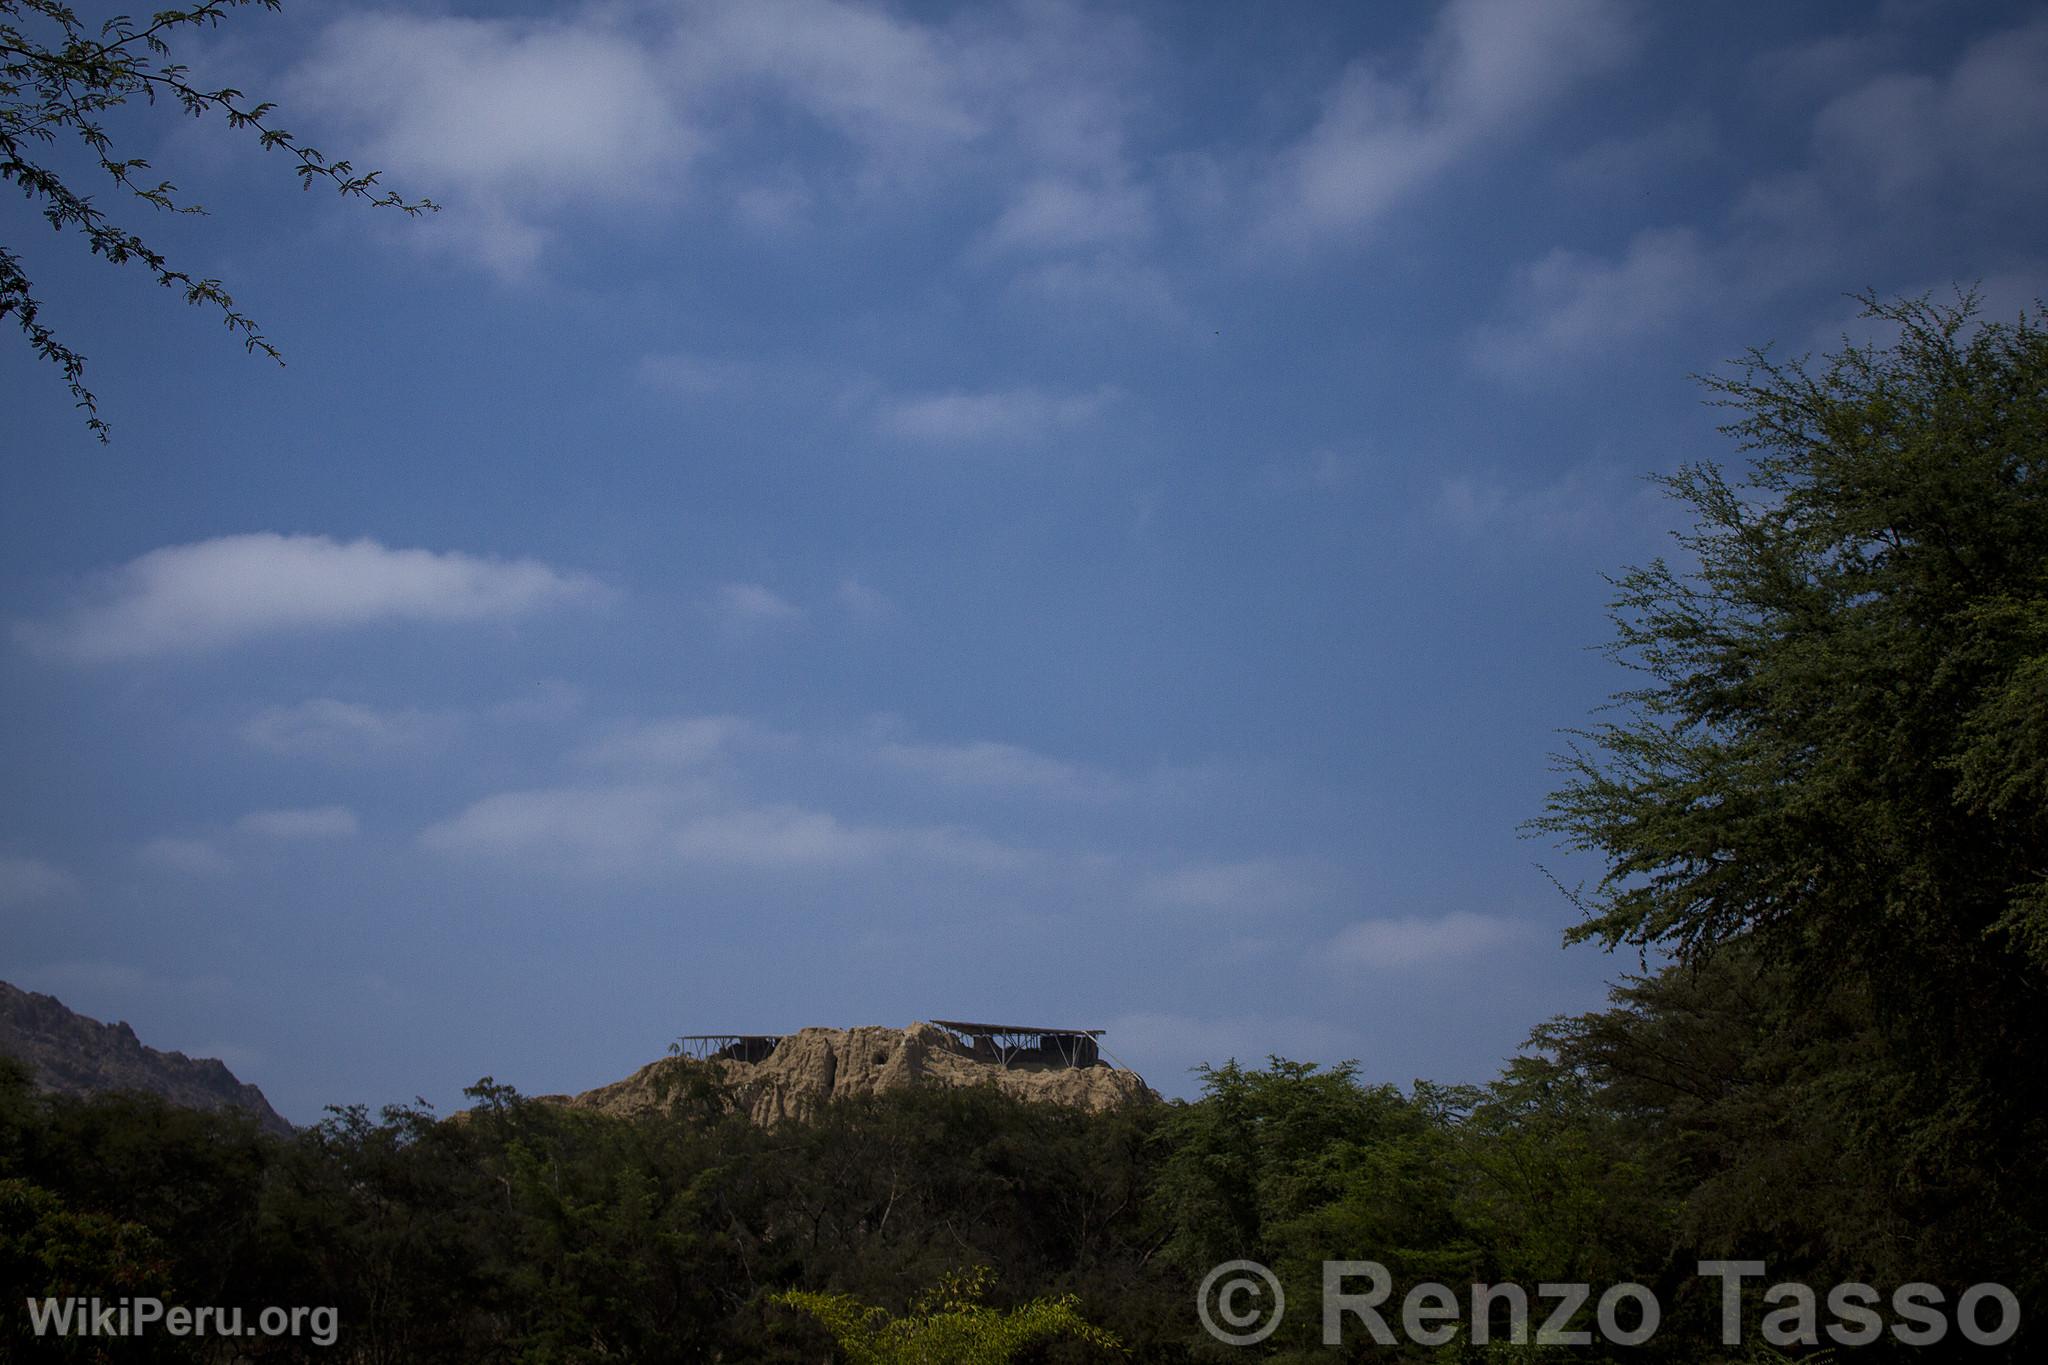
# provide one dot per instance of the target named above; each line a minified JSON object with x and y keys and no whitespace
{"x":59,"y":77}
{"x":948,"y":1325}
{"x":48,"y":1251}
{"x":1761,"y":1122}
{"x":1839,"y":755}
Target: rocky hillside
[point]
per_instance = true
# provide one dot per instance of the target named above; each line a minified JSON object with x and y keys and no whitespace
{"x":74,"y":1055}
{"x":817,"y":1065}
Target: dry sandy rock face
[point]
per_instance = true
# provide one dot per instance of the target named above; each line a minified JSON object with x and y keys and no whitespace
{"x":810,"y":1068}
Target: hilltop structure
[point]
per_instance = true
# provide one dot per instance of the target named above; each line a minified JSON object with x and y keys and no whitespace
{"x":776,"y":1076}
{"x":1005,"y":1045}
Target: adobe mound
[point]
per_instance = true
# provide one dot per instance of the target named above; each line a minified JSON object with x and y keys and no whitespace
{"x":814,"y":1066}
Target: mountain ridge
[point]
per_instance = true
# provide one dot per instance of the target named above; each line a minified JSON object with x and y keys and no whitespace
{"x":74,"y":1054}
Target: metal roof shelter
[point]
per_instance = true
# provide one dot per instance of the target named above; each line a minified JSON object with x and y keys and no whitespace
{"x":732,"y":1047}
{"x":1014,"y":1044}
{"x":1003,"y":1044}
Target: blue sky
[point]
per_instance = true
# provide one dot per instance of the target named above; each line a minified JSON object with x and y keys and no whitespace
{"x":1088,"y":513}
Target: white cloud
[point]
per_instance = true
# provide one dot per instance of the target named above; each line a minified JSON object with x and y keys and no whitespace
{"x":776,"y":837}
{"x":1984,"y":122}
{"x":1586,"y":500}
{"x":217,"y":592}
{"x":515,"y":124}
{"x":779,"y":205}
{"x":187,"y":857}
{"x":1819,"y":65}
{"x":891,"y":85}
{"x":344,"y":731}
{"x":1105,"y":289}
{"x":612,"y":826}
{"x":1569,"y":305}
{"x":1064,"y":213}
{"x":527,"y":128}
{"x":1003,"y":415}
{"x":1894,"y":156}
{"x":678,"y":742}
{"x":649,"y":829}
{"x":1249,"y":886}
{"x":1627,"y":162}
{"x":862,"y":602}
{"x":540,"y":703}
{"x":1487,"y":70}
{"x":749,"y":606}
{"x":995,"y":766}
{"x":28,"y":881}
{"x":500,"y":117}
{"x":1422,"y":940}
{"x":314,"y":822}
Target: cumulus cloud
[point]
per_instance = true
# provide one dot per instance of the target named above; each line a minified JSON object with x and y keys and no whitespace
{"x":1422,"y":940}
{"x":518,"y":123}
{"x":343,"y":731}
{"x":1002,"y":415}
{"x":217,"y":592}
{"x":1488,"y":68}
{"x":504,"y":116}
{"x":30,"y":881}
{"x":186,"y":857}
{"x":314,"y":822}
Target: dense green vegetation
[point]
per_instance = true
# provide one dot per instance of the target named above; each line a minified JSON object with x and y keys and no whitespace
{"x":1825,"y":813}
{"x":1690,"y":1121}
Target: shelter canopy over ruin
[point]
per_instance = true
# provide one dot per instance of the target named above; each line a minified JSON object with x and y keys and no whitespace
{"x":1023,"y":1044}
{"x":1004,"y":1045}
{"x":727,"y":1047}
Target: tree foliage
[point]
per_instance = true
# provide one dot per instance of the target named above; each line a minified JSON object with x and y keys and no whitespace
{"x":59,"y":77}
{"x":1842,"y":743}
{"x":1845,"y":728}
{"x":950,"y":1324}
{"x":1688,"y":1121}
